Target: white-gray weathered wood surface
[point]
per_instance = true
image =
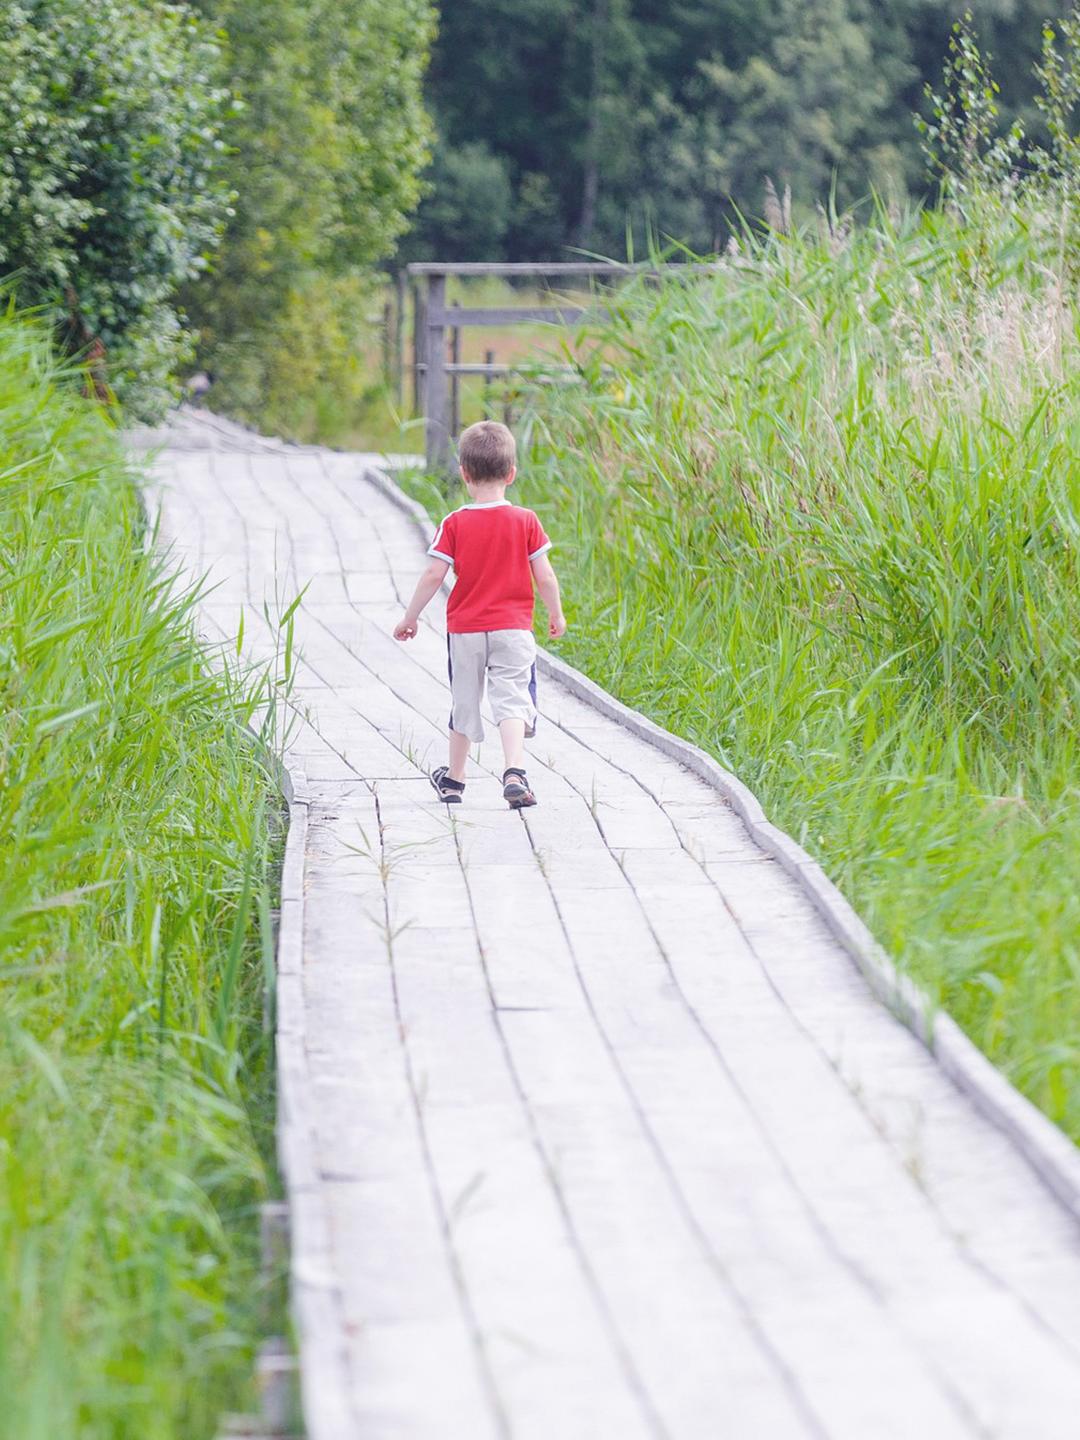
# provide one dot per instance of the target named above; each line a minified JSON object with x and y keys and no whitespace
{"x":591,"y":1131}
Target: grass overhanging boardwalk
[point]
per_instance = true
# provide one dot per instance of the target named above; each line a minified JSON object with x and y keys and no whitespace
{"x":609,"y":1138}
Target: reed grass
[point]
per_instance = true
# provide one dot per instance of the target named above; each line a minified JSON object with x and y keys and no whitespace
{"x":820,"y":514}
{"x":137,"y":831}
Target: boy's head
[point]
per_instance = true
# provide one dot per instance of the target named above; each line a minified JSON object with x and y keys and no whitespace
{"x":487,"y":454}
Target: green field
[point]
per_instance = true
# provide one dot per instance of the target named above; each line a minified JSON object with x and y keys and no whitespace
{"x":137,"y":831}
{"x":821,"y":515}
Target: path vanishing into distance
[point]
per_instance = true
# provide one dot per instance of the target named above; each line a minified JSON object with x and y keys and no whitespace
{"x":590,"y":1129}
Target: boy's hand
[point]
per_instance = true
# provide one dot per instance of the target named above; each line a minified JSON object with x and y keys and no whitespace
{"x":405,"y":629}
{"x":557,"y":626}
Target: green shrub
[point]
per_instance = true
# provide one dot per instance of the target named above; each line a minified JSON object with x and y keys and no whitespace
{"x":326,"y":156}
{"x":135,"y":836}
{"x":110,"y":196}
{"x":314,"y":373}
{"x":467,"y":211}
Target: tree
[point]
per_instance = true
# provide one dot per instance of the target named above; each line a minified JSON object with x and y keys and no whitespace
{"x":519,"y":94}
{"x":111,"y":118}
{"x":467,"y":211}
{"x":669,"y":113}
{"x":810,"y":106}
{"x":326,"y":157}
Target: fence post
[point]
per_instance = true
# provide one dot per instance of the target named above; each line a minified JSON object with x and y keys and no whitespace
{"x":489,"y":361}
{"x":387,"y":344}
{"x":455,"y":378}
{"x":399,"y":341}
{"x":436,"y":419}
{"x":419,"y":354}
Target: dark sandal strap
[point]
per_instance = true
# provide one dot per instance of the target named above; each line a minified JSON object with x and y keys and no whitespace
{"x":514,"y":771}
{"x":441,"y":778}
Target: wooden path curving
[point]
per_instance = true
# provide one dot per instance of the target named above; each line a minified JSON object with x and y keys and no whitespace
{"x":591,"y":1131}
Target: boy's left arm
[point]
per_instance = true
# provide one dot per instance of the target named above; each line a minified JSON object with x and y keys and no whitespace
{"x":426,"y":587}
{"x":548,"y":585}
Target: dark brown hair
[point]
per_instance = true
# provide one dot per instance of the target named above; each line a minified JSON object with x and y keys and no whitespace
{"x":486,"y":451}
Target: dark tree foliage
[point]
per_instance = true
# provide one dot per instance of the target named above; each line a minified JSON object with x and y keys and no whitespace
{"x":111,"y":118}
{"x":610,"y":120}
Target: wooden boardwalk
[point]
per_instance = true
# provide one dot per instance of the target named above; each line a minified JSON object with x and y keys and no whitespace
{"x":590,"y":1129}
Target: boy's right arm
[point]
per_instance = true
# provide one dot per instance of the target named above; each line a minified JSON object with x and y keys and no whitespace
{"x":426,"y":587}
{"x":548,"y":585}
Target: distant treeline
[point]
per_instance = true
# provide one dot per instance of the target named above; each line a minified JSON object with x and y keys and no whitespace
{"x":577,"y":122}
{"x":215,"y":183}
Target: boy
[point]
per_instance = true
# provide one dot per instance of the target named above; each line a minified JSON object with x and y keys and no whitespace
{"x":497,"y":550}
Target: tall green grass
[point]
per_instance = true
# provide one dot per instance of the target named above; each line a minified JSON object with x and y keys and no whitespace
{"x":136,"y":831}
{"x":821,"y":515}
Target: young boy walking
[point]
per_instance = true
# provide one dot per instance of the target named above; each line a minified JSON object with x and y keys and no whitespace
{"x":497,"y":550}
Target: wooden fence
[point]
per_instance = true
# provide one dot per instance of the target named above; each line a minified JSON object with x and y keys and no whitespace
{"x":436,"y":374}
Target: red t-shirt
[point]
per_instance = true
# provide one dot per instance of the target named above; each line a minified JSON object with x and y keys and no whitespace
{"x":490,"y":547}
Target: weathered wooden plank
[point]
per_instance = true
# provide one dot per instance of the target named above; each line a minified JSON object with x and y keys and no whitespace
{"x":554,"y":1365}
{"x":744,"y":1211}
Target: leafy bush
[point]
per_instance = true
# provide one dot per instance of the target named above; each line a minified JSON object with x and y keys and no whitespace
{"x":983,"y":170}
{"x":134,"y":844}
{"x":314,"y":369}
{"x":110,"y":138}
{"x":327,"y":151}
{"x":467,"y":211}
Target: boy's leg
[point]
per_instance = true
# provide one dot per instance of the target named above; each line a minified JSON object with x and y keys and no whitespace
{"x":465,"y":659}
{"x":459,"y":755}
{"x":511,"y":656}
{"x":516,"y":789}
{"x":512,"y":677}
{"x":512,"y":734}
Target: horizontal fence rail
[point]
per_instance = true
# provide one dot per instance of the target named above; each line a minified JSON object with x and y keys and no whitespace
{"x":493,"y":371}
{"x":511,"y":268}
{"x":459,"y":315}
{"x":435,"y":374}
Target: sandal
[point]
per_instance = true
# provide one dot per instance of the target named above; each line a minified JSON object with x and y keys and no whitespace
{"x":449,"y":791}
{"x":516,"y":790}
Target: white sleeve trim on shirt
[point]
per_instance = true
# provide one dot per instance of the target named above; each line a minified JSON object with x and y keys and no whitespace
{"x":543,"y":548}
{"x":433,"y":548}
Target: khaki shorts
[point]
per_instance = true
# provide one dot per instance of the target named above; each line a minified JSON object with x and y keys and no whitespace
{"x":506,"y":660}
